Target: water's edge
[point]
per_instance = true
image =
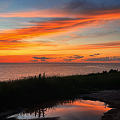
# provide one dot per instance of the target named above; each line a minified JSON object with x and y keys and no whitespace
{"x":110,"y":97}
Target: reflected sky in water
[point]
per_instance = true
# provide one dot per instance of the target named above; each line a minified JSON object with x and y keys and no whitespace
{"x":14,"y":71}
{"x":77,"y":110}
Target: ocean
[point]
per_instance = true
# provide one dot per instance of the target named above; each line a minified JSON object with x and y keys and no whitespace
{"x":16,"y":71}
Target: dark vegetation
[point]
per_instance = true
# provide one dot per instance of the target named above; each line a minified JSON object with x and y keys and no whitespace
{"x":31,"y":91}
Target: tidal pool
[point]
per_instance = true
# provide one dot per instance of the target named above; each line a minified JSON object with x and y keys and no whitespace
{"x":72,"y":110}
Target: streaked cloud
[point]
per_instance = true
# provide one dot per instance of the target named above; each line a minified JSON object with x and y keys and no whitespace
{"x":102,"y":59}
{"x":43,"y":59}
{"x":106,"y":45}
{"x":74,"y":8}
{"x":74,"y":57}
{"x":43,"y":29}
{"x":91,"y":6}
{"x":81,"y":29}
{"x":96,"y":54}
{"x":17,"y":45}
{"x":68,"y":60}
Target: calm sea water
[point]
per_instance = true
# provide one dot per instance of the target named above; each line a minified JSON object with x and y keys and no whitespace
{"x":14,"y":71}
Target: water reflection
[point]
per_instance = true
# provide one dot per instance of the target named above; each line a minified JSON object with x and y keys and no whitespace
{"x":37,"y":113}
{"x":67,"y":110}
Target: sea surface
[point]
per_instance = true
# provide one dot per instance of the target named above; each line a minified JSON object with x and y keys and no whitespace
{"x":16,"y":71}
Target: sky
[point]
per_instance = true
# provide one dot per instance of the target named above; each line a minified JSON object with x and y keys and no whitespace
{"x":79,"y":31}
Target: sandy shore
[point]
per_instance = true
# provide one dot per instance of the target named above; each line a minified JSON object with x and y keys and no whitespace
{"x":112,"y":99}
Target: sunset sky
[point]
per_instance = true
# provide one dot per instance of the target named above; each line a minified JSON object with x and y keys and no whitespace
{"x":33,"y":31}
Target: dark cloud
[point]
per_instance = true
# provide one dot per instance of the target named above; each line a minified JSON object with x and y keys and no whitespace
{"x":69,"y":59}
{"x":104,"y":59}
{"x":96,"y":54}
{"x":12,"y":41}
{"x":79,"y":5}
{"x":42,"y":58}
{"x":33,"y":60}
{"x":61,"y":23}
{"x":65,"y":19}
{"x":91,"y":6}
{"x":74,"y":57}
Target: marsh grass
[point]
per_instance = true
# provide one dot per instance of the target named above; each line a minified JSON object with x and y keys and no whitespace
{"x":29,"y":91}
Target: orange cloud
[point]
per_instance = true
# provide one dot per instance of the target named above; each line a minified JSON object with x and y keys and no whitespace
{"x":53,"y":26}
{"x":106,"y":45}
{"x":11,"y":45}
{"x":115,"y":44}
{"x":43,"y":29}
{"x":16,"y":39}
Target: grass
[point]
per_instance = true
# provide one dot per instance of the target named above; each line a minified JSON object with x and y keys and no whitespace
{"x":34,"y":90}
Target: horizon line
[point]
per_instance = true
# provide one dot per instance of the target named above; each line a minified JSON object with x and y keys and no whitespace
{"x":65,"y":63}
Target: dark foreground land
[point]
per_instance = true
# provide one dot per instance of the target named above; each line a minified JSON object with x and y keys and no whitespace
{"x":31,"y":91}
